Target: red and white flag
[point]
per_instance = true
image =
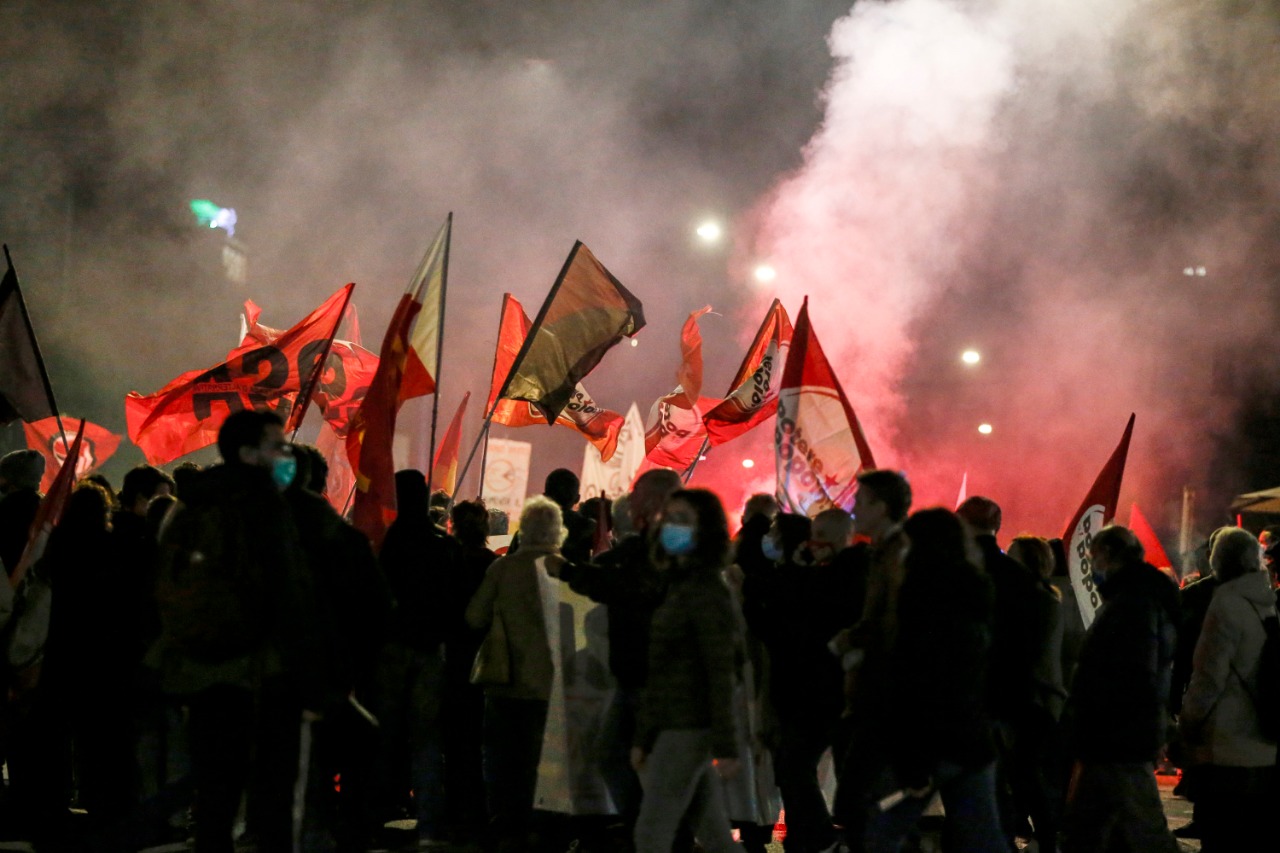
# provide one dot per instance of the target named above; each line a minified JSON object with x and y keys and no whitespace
{"x":819,"y":442}
{"x":407,"y":368}
{"x":49,"y":512}
{"x":1097,"y":509}
{"x":753,"y":394}
{"x":48,"y":438}
{"x":675,"y":432}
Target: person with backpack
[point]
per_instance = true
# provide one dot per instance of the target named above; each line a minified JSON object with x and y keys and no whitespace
{"x":238,"y":634}
{"x":1222,"y":723}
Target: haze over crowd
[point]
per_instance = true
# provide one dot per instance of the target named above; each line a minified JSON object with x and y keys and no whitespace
{"x":1025,"y":177}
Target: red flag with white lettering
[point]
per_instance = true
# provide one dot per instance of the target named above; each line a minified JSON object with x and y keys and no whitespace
{"x":1095,"y":512}
{"x":819,"y":442}
{"x":753,"y":394}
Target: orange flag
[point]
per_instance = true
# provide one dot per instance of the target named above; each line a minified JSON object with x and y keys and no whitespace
{"x":753,"y":394}
{"x":45,"y":436}
{"x":675,"y":432}
{"x":407,"y":367}
{"x":444,"y":471}
{"x":598,"y":426}
{"x":820,"y":445}
{"x":1097,"y":509}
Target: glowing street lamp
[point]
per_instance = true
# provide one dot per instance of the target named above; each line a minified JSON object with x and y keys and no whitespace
{"x":971,"y":357}
{"x":765,"y":273}
{"x":710,"y":232}
{"x":985,"y":429}
{"x":748,"y":463}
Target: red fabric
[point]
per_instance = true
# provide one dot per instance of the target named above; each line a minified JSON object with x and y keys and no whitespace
{"x":98,"y":445}
{"x":753,"y":394}
{"x":820,"y":445}
{"x":373,"y":428}
{"x":598,"y":426}
{"x":444,"y":470}
{"x":186,"y":414}
{"x":49,"y":512}
{"x":341,"y":480}
{"x":1105,"y":491}
{"x":1141,"y":528}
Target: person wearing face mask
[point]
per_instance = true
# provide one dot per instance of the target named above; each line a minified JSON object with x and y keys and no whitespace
{"x":239,"y":638}
{"x":685,"y":730}
{"x":1117,"y":713}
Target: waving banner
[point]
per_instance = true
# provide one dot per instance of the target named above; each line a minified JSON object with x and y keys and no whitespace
{"x":96,"y":446}
{"x":753,"y":394}
{"x":819,"y":442}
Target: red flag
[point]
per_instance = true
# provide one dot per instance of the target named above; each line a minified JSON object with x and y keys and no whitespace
{"x":407,"y":367}
{"x":1147,"y":536}
{"x":186,"y":414}
{"x":675,"y":432}
{"x":598,"y":426}
{"x":25,"y":392}
{"x":586,"y":313}
{"x":753,"y":394}
{"x":47,"y":437}
{"x":820,"y":445}
{"x":1097,"y":509}
{"x":341,"y":480}
{"x":49,"y":512}
{"x":444,"y":470}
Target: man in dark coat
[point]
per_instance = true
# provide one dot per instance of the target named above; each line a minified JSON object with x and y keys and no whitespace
{"x":1118,"y":711}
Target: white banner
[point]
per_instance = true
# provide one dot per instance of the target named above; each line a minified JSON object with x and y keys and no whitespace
{"x":612,"y":479}
{"x":506,"y":476}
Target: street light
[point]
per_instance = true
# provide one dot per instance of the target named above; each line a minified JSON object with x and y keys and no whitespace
{"x":710,"y":231}
{"x":748,"y":463}
{"x":971,"y":357}
{"x":765,"y":273}
{"x":985,"y":429}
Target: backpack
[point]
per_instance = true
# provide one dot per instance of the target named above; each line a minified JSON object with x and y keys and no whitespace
{"x":1268,"y":692}
{"x":210,"y":585}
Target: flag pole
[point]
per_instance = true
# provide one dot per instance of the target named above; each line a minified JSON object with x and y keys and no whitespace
{"x":688,"y":472}
{"x":435,"y":397}
{"x":35,"y":346}
{"x":520,"y":356}
{"x":313,"y":381}
{"x":484,"y":463}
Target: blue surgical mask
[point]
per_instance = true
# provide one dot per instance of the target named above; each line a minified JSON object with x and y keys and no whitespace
{"x":772,"y":548}
{"x":283,"y":470}
{"x":1099,"y":579}
{"x":677,"y":539}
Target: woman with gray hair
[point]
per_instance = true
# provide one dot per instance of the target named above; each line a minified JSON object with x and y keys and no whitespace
{"x":1219,"y":722}
{"x":511,"y":599}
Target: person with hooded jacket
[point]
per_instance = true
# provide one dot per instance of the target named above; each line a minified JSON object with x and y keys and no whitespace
{"x":1219,"y":722}
{"x":1117,"y":713}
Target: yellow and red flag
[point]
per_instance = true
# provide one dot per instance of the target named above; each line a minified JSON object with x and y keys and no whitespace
{"x":408,"y":365}
{"x":47,"y":437}
{"x":444,"y":470}
{"x":819,"y":442}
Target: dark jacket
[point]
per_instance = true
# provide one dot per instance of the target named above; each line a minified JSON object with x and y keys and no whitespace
{"x":625,"y":580}
{"x":1117,"y":712}
{"x":17,"y":511}
{"x":693,"y":662}
{"x":1194,"y":598}
{"x":1024,"y":617}
{"x":796,"y":609}
{"x":416,"y":559}
{"x":461,"y":641}
{"x":937,"y":709}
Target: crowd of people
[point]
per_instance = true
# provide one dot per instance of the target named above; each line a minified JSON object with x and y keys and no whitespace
{"x":219,"y":654}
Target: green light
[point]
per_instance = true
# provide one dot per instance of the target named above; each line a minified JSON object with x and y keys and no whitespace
{"x":206,"y":211}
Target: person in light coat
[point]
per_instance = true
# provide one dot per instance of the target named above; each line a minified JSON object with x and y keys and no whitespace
{"x":1219,"y":722}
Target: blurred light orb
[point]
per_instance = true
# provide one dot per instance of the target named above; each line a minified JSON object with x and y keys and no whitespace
{"x":765,"y":273}
{"x":971,"y":356}
{"x":634,"y":342}
{"x":710,"y":231}
{"x":985,"y":429}
{"x":748,"y":463}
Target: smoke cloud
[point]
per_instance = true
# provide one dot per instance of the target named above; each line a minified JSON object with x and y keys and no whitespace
{"x":1085,"y":194}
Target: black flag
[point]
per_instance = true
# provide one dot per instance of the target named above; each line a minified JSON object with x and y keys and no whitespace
{"x":24,"y":385}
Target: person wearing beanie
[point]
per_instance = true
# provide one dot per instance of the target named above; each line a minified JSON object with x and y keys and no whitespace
{"x":20,"y":474}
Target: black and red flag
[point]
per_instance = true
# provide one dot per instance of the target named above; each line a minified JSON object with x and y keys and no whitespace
{"x":25,"y":392}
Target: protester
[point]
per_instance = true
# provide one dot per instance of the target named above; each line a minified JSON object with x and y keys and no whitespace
{"x":685,"y":730}
{"x":239,"y":638}
{"x":561,"y":487}
{"x":20,"y":475}
{"x":417,"y":557}
{"x":628,"y":583}
{"x":1219,"y":722}
{"x":515,"y":593}
{"x":938,"y":728}
{"x":1118,"y":709}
